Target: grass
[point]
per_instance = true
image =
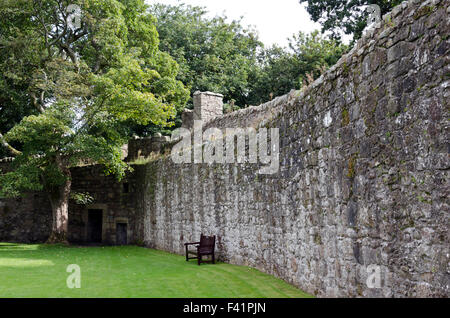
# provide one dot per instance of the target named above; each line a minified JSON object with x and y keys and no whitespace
{"x":128,"y":271}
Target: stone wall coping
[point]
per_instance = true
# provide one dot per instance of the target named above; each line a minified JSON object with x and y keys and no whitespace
{"x":207,"y":93}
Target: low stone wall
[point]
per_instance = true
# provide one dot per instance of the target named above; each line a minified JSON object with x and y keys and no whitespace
{"x":142,"y":148}
{"x":117,"y":200}
{"x":27,"y":219}
{"x":363,"y":181}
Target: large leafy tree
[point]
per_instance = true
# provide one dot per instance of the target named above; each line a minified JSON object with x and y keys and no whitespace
{"x":213,"y":54}
{"x":73,"y":84}
{"x":226,"y":57}
{"x":284,"y":69}
{"x":344,"y":16}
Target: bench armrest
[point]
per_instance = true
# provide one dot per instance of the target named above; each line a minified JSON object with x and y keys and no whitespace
{"x":196,"y":243}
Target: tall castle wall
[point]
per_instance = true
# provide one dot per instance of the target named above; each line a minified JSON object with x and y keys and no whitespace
{"x":363,"y":179}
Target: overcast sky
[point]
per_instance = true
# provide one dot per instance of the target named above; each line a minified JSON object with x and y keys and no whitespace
{"x":274,"y":20}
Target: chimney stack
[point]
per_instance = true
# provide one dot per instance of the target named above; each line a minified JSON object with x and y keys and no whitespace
{"x":207,"y":106}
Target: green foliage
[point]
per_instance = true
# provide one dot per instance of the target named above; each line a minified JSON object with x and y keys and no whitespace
{"x":344,"y":16}
{"x":213,"y":54}
{"x":67,"y":93}
{"x":81,"y":198}
{"x":282,"y":70}
{"x":227,"y":58}
{"x":230,"y":107}
{"x":16,"y":63}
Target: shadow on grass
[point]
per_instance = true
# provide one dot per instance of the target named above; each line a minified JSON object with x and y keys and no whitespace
{"x":21,"y":256}
{"x":10,"y":247}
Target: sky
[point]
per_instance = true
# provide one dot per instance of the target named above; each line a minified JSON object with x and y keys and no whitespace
{"x":275,"y":21}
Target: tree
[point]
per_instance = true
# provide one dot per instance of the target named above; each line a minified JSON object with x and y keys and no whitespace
{"x":348,"y":16}
{"x":78,"y":83}
{"x":14,"y":42}
{"x":213,"y":54}
{"x":227,"y":58}
{"x":283,"y":70}
{"x":277,"y":75}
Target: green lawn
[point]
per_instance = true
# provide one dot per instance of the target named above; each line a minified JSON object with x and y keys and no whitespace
{"x":128,"y":271}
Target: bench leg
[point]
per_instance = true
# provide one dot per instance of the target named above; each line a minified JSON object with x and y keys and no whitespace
{"x":199,"y":259}
{"x":187,"y":259}
{"x":213,"y":259}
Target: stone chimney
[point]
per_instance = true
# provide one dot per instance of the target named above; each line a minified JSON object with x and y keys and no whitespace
{"x":207,"y":106}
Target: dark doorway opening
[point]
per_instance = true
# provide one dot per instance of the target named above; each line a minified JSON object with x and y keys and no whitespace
{"x":121,"y":233}
{"x":95,"y":224}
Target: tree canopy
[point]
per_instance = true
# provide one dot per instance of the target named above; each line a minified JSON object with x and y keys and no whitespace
{"x":213,"y":54}
{"x":73,"y":87}
{"x":344,"y":16}
{"x":282,"y":70}
{"x":228,"y":58}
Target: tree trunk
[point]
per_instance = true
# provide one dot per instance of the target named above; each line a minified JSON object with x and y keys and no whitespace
{"x":59,"y":199}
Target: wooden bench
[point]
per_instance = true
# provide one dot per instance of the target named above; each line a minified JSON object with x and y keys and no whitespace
{"x":205,"y":247}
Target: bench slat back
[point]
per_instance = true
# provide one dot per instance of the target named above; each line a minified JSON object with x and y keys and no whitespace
{"x":207,"y":242}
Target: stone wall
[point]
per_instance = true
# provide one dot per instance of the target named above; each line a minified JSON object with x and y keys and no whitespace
{"x":28,"y":219}
{"x":141,"y":148}
{"x":115,"y":199}
{"x":25,"y":219}
{"x":207,"y":105}
{"x":364,"y":155}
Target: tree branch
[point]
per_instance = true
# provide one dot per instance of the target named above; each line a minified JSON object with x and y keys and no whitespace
{"x":6,"y":145}
{"x":71,"y":54}
{"x":36,"y":103}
